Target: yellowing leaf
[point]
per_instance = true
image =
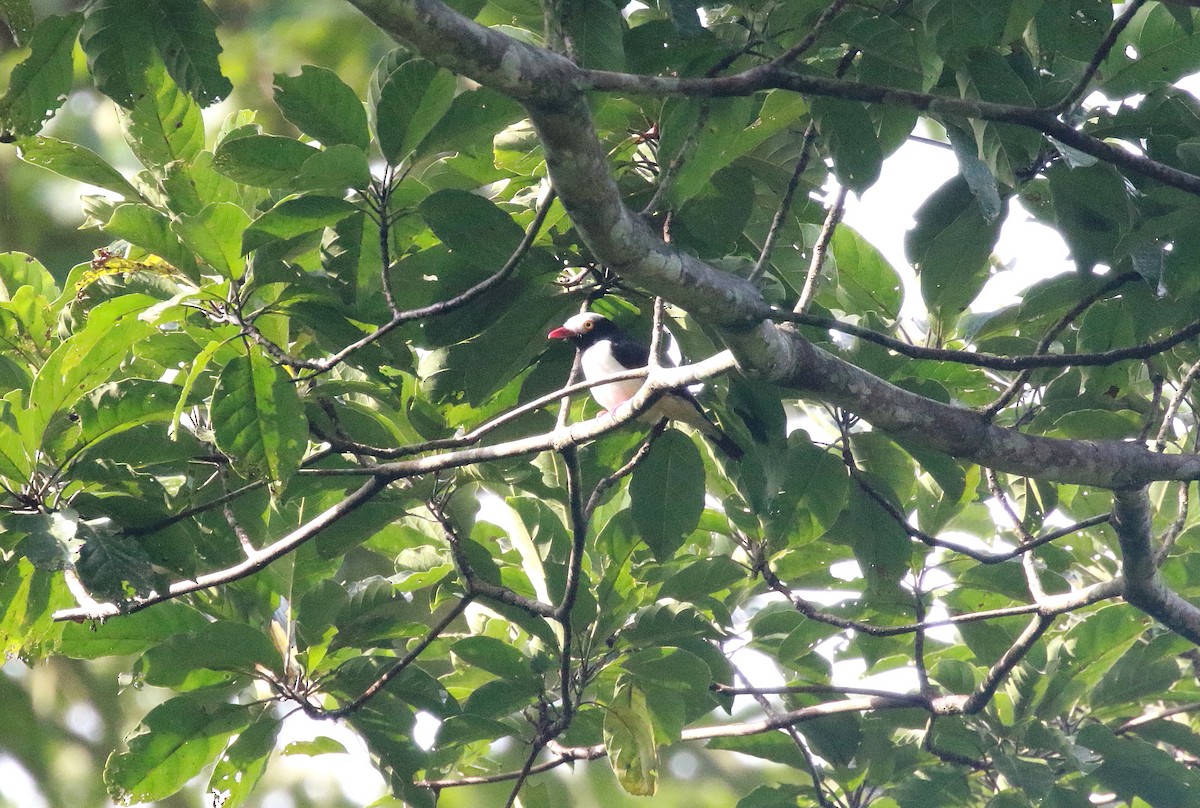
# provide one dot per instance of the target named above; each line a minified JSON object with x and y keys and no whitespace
{"x":629,"y":736}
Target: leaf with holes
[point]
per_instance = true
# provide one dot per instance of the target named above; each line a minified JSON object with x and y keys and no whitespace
{"x":39,"y":84}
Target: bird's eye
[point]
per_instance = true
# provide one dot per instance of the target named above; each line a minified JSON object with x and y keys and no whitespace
{"x":587,"y":326}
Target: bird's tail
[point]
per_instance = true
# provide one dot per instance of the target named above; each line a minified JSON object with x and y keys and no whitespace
{"x":728,"y":446}
{"x":684,"y":407}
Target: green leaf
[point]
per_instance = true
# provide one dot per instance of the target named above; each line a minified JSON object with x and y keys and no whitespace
{"x":667,"y":493}
{"x":322,"y":107}
{"x":667,"y":624}
{"x":39,"y":84}
{"x":75,"y":162}
{"x":184,"y":661}
{"x":951,"y":246}
{"x":1088,"y":424}
{"x":163,"y":124}
{"x":321,"y":745}
{"x":629,"y":737}
{"x":494,"y":656}
{"x":149,"y":228}
{"x":264,"y":161}
{"x":976,"y":172}
{"x":295,"y":216}
{"x":961,"y":25}
{"x":177,"y":740}
{"x":116,"y":566}
{"x":1094,"y":210}
{"x":116,"y":407}
{"x":242,"y":766}
{"x":773,"y":746}
{"x":1005,"y":149}
{"x":835,"y":737}
{"x":412,"y":98}
{"x":1074,"y":29}
{"x":702,"y":578}
{"x":722,"y":129}
{"x":596,"y":29}
{"x":132,"y":634}
{"x":1152,"y":48}
{"x":880,"y":545}
{"x":215,"y":235}
{"x":474,"y":117}
{"x":115,"y":37}
{"x":49,"y":537}
{"x":85,"y":361}
{"x":849,"y":134}
{"x":28,"y":600}
{"x":336,"y":168}
{"x":257,"y":417}
{"x":471,"y":225}
{"x":1132,"y":767}
{"x":185,"y":32}
{"x":18,"y":269}
{"x":17,"y":16}
{"x":766,"y":796}
{"x":866,"y":280}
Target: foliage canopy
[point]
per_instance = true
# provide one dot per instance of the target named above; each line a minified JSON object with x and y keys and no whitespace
{"x":293,"y":440}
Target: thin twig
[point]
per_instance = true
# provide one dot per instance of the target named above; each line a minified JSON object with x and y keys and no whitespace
{"x":1111,"y":285}
{"x":612,"y":479}
{"x":1185,"y":384}
{"x":325,"y":364}
{"x":476,"y":586}
{"x":1008,"y":660}
{"x":793,"y":733}
{"x":398,"y":667}
{"x":1157,"y":715}
{"x":820,"y":249}
{"x":993,"y":361}
{"x":1114,"y":31}
{"x":243,"y":569}
{"x":785,"y":204}
{"x":797,"y":50}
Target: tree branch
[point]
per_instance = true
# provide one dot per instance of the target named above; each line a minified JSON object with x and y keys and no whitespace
{"x":395,"y":670}
{"x":254,"y":563}
{"x":1144,"y":587}
{"x":552,"y":90}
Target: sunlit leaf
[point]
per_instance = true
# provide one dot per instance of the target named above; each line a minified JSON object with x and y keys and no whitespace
{"x":176,"y":740}
{"x":39,"y":84}
{"x":75,"y":162}
{"x":408,"y":104}
{"x":323,"y":107}
{"x":215,"y":234}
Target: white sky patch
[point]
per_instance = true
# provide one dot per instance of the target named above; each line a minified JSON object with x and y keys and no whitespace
{"x":17,"y":786}
{"x":1028,"y":250}
{"x":352,"y":772}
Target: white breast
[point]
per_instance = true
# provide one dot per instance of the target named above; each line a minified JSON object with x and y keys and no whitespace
{"x":598,"y":363}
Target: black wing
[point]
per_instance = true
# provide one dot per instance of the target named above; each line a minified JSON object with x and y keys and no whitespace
{"x":630,"y":354}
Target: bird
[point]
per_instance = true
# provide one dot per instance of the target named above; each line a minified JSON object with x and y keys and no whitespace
{"x":606,"y":350}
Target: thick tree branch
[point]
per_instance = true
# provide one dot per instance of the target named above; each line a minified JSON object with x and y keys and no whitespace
{"x":551,"y":88}
{"x":1144,"y":587}
{"x":798,"y":364}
